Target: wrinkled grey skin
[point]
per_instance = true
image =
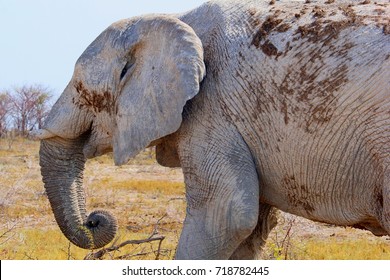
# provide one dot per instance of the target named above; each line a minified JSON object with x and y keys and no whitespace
{"x":264,"y":106}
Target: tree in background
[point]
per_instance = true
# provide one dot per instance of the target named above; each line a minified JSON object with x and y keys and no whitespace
{"x":26,"y":107}
{"x":4,"y":112}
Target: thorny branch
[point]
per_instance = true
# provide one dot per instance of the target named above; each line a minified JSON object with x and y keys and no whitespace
{"x":287,"y":238}
{"x":99,"y":254}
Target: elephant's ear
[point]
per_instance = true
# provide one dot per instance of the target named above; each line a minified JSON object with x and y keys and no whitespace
{"x":164,"y":70}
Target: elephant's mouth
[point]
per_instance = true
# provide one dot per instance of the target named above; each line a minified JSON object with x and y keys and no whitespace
{"x":97,"y":144}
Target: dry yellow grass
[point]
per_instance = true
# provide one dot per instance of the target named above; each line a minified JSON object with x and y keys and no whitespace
{"x":290,"y":241}
{"x":360,"y":249}
{"x":137,"y":198}
{"x":145,"y":198}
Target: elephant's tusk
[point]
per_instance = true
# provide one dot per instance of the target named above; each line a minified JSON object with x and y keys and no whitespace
{"x":42,"y":134}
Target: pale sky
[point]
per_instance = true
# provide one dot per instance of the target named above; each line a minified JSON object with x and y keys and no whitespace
{"x":40,"y":40}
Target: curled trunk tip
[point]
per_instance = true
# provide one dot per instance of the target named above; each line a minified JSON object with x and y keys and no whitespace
{"x":102,"y":226}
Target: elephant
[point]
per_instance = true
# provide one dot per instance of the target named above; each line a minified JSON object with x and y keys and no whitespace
{"x":265,"y":105}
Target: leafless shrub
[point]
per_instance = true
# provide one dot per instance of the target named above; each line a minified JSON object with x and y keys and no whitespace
{"x":280,"y":243}
{"x":29,"y":107}
{"x":5,"y":105}
{"x":11,"y":138}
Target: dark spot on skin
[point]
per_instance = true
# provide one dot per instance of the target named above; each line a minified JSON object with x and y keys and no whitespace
{"x":301,"y":85}
{"x":269,"y":49}
{"x":386,"y":29}
{"x":256,"y":39}
{"x":285,"y":88}
{"x":320,"y":26}
{"x":277,"y":13}
{"x":305,"y":88}
{"x":266,"y":28}
{"x":319,"y":31}
{"x":94,"y":100}
{"x":283,"y":27}
{"x":320,"y":114}
{"x":307,"y":206}
{"x":379,"y":11}
{"x":272,"y":2}
{"x":307,"y":1}
{"x":322,"y":29}
{"x":319,"y":12}
{"x":252,"y":12}
{"x":290,"y":181}
{"x":284,"y":110}
{"x":268,"y":25}
{"x":303,"y":30}
{"x":297,"y":195}
{"x":382,"y":4}
{"x":348,"y":12}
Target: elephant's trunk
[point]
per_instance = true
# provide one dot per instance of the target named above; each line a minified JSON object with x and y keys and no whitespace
{"x":62,"y":164}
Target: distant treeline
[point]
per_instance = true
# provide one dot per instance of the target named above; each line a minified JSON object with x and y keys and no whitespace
{"x":23,"y":109}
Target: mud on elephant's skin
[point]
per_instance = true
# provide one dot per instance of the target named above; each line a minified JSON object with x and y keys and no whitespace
{"x":265,"y":105}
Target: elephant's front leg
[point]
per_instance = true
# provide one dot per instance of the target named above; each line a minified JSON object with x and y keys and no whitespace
{"x":222,"y":191}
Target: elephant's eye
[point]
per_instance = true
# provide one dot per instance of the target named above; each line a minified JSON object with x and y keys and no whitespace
{"x":128,"y":65}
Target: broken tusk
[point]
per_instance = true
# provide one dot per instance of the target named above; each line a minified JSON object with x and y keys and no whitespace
{"x":42,"y":134}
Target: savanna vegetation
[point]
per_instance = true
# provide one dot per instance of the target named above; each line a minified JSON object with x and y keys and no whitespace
{"x":149,"y":202}
{"x":22,"y":109}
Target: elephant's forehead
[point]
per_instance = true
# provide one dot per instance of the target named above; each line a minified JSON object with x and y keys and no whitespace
{"x":123,"y":24}
{"x":96,"y":52}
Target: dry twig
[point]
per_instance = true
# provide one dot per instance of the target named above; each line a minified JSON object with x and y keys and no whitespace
{"x":4,"y":235}
{"x":99,"y":254}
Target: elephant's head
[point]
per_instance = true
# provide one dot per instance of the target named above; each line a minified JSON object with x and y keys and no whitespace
{"x":128,"y":89}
